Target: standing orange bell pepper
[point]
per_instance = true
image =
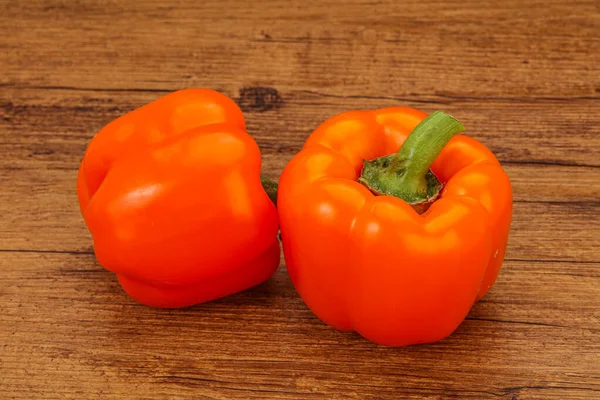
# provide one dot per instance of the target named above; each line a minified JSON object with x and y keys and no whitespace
{"x":399,"y":247}
{"x":171,"y":193}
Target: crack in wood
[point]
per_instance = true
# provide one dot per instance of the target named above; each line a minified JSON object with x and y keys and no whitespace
{"x":437,"y":98}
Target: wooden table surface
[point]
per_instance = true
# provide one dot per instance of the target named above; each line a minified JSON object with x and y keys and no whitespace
{"x":523,"y":76}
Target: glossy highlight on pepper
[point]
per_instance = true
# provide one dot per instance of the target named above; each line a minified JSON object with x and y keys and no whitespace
{"x":371,"y":263}
{"x":171,"y":193}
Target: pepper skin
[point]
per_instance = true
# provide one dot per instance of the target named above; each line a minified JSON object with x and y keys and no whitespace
{"x":370,"y":263}
{"x":172,"y":196}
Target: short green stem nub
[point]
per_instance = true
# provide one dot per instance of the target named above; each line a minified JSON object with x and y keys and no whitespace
{"x":270,"y":187}
{"x":407,"y":174}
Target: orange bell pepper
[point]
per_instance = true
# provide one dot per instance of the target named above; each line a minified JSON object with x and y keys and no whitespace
{"x":397,"y":248}
{"x":171,"y":193}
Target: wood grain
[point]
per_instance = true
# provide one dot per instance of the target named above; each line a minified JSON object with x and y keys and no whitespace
{"x":522,"y":76}
{"x":266,"y":343}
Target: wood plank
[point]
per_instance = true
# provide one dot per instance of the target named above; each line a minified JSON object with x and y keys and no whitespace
{"x":47,"y":135}
{"x":487,"y":48}
{"x":266,"y":343}
{"x":532,"y":132}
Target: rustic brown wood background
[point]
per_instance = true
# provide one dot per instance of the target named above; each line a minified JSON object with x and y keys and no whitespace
{"x":524,"y":78}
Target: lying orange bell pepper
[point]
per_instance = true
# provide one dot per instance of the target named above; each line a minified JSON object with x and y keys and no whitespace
{"x":171,"y":193}
{"x":399,"y":247}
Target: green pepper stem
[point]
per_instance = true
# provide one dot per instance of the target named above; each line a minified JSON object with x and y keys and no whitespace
{"x":407,"y":174}
{"x":270,"y":187}
{"x":424,"y":144}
